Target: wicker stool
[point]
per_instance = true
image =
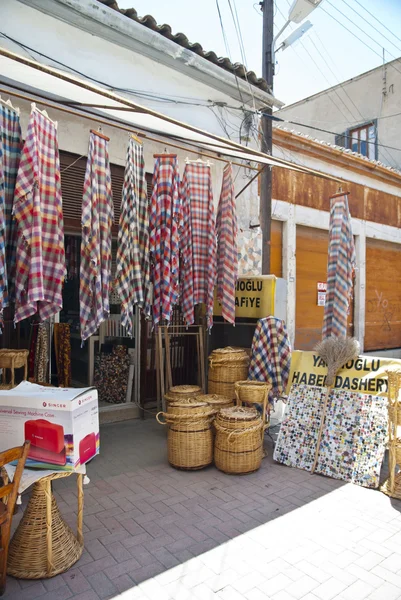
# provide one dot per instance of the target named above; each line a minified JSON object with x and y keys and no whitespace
{"x":13,"y":359}
{"x":44,"y":545}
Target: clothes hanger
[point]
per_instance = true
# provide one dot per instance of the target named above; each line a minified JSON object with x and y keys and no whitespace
{"x":99,"y":132}
{"x":43,"y":113}
{"x":198,"y":161}
{"x":135,"y":138}
{"x":8,"y":104}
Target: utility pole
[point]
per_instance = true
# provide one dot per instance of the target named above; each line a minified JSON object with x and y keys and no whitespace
{"x":267,"y":135}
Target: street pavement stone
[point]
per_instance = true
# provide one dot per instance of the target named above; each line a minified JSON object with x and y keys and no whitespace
{"x":154,"y":533}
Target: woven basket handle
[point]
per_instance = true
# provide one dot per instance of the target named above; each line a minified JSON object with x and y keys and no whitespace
{"x":158,"y":418}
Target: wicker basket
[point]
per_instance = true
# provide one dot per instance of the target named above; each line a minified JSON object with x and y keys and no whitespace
{"x":226,"y":366}
{"x":190,"y":436}
{"x":238,"y":446}
{"x":254,"y":392}
{"x":215,"y":401}
{"x":181,"y":392}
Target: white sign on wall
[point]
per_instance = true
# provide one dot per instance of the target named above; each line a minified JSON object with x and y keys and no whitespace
{"x":321,"y":293}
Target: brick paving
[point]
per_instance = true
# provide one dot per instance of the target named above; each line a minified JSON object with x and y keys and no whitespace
{"x":154,"y":533}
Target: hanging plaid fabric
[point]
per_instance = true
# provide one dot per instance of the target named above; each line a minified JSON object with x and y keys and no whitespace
{"x":227,"y":254}
{"x":10,"y":153}
{"x":271,"y":355}
{"x":132,"y":279}
{"x":97,"y":221}
{"x":198,"y":241}
{"x":40,"y":233}
{"x":340,"y":269}
{"x":164,"y":225}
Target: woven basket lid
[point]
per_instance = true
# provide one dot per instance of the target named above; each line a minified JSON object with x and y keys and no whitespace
{"x":188,"y":404}
{"x":230,"y":353}
{"x":184,"y":390}
{"x":214,"y":399}
{"x":239,"y":413}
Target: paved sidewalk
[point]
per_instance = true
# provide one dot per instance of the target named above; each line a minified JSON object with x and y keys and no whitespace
{"x":152,"y":532}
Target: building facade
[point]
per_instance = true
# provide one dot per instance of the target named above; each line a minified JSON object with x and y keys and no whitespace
{"x":361,"y":114}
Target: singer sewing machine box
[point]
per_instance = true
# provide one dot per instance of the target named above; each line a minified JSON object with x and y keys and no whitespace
{"x":62,"y":424}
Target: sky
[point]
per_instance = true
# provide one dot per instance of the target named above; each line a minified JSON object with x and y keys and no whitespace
{"x":325,"y":56}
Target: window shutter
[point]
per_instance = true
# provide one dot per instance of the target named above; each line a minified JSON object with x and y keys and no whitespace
{"x":341,"y":140}
{"x":72,"y":184}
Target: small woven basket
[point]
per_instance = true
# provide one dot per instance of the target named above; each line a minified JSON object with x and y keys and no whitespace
{"x":252,"y":391}
{"x":226,"y":366}
{"x":190,"y":436}
{"x":181,"y":392}
{"x":238,"y":446}
{"x":215,"y":401}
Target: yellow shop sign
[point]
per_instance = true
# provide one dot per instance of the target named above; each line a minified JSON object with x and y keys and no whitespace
{"x":364,"y":374}
{"x":255,"y":297}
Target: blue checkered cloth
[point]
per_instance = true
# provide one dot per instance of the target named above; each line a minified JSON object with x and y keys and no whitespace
{"x":271,"y":355}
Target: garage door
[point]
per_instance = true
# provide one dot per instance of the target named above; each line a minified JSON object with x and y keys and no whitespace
{"x":383,"y":295}
{"x":311,"y":261}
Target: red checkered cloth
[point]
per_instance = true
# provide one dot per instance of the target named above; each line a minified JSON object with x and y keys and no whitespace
{"x":198,"y":241}
{"x":40,"y":231}
{"x":227,"y":254}
{"x":97,"y":221}
{"x":164,"y":225}
{"x":132,"y":279}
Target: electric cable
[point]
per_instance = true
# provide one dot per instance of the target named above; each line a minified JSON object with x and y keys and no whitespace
{"x":358,"y":27}
{"x":358,"y":38}
{"x":376,"y":19}
{"x":370,"y":24}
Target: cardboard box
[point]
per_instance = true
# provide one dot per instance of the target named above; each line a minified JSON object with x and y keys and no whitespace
{"x":62,"y":424}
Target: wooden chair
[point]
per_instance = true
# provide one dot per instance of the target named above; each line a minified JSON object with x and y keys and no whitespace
{"x":8,"y":498}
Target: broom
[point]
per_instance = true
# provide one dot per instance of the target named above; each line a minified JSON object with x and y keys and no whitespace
{"x":336,"y":352}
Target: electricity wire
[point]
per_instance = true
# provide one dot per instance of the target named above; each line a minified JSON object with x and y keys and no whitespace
{"x":370,"y":24}
{"x":376,"y":19}
{"x":358,"y":38}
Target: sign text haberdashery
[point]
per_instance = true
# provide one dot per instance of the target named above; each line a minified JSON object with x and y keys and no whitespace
{"x":254,"y":297}
{"x":365,"y":374}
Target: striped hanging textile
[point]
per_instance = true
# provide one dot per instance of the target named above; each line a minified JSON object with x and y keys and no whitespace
{"x":10,"y":154}
{"x":133,"y":267}
{"x":38,"y":213}
{"x":165,"y":223}
{"x":227,"y":254}
{"x":97,"y":221}
{"x":198,"y":241}
{"x":340,"y":269}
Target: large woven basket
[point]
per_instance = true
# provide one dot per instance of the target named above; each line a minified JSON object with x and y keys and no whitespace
{"x":238,"y":446}
{"x":190,"y":436}
{"x":215,"y":401}
{"x":226,"y":366}
{"x":181,"y":392}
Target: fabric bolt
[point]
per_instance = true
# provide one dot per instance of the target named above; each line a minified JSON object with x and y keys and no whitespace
{"x":227,"y":254}
{"x":165,"y":223}
{"x":97,"y":221}
{"x":271,"y":355}
{"x":133,"y":266}
{"x":10,"y":154}
{"x":340,"y":269}
{"x":198,"y":241}
{"x":41,"y":374}
{"x":62,"y":346}
{"x":353,"y":438}
{"x":38,"y":212}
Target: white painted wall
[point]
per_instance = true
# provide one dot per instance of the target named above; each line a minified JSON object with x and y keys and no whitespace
{"x":104,"y":45}
{"x":376,"y":95}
